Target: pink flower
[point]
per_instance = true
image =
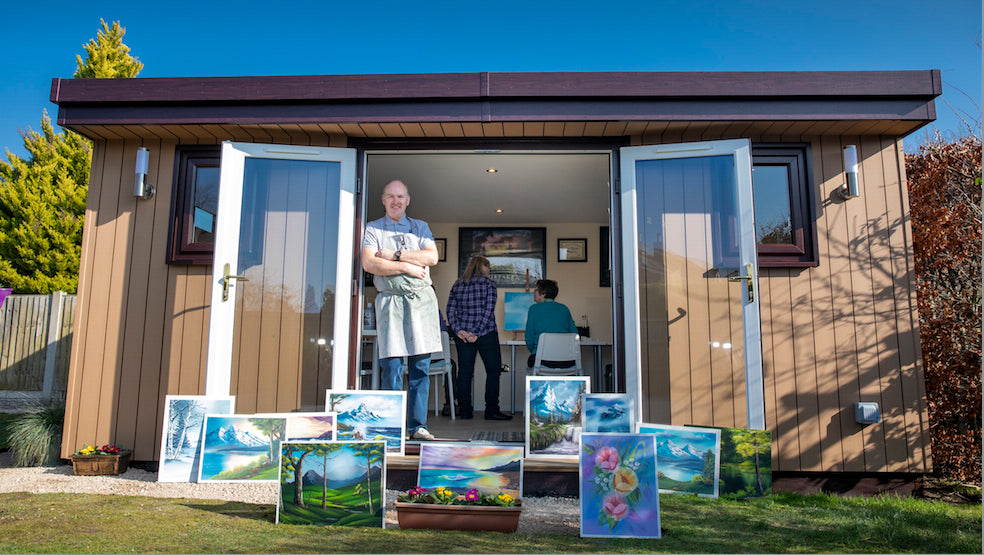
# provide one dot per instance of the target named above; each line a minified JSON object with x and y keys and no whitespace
{"x":615,"y":506}
{"x":472,"y":495}
{"x":607,"y":458}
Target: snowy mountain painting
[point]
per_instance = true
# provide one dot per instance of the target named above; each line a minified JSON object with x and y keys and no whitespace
{"x":689,"y":458}
{"x":184,"y":417}
{"x":370,"y":416}
{"x":554,"y":415}
{"x":239,"y":447}
{"x":608,"y":413}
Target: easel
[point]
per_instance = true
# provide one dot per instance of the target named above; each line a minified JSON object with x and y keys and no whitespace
{"x":516,"y":333}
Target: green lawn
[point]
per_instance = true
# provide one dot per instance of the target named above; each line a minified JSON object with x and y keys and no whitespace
{"x":783,"y":523}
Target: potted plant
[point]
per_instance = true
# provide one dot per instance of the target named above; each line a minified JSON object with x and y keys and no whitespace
{"x":443,"y":509}
{"x":108,"y":460}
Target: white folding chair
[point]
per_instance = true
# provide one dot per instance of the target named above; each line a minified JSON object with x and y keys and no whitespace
{"x":558,"y":347}
{"x":440,"y":365}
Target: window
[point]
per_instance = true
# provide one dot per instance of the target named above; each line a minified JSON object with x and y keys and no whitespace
{"x":196,"y":193}
{"x":785,"y":228}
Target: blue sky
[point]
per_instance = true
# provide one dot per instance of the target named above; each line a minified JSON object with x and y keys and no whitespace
{"x":187,"y":39}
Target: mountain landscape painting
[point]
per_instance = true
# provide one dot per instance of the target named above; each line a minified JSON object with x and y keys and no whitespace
{"x":689,"y":458}
{"x":370,"y":416}
{"x":608,"y":413}
{"x":554,"y":414}
{"x":181,"y":440}
{"x":239,"y":448}
{"x":489,"y":468}
{"x":337,"y":483}
{"x":746,"y":463}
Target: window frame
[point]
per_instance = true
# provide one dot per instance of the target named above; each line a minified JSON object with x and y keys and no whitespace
{"x":180,"y":249}
{"x":803,"y":252}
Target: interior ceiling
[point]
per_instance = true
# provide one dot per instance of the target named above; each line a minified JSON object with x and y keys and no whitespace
{"x":529,"y":187}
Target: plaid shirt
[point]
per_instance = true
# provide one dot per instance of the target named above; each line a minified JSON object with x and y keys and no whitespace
{"x":471,"y":306}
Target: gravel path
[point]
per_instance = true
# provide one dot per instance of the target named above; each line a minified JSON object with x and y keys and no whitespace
{"x":542,"y":515}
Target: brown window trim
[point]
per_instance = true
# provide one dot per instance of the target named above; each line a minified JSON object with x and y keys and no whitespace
{"x":180,"y":249}
{"x":803,"y":252}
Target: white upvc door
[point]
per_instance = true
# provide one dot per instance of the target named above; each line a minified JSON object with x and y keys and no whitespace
{"x":693,"y":350}
{"x":282,"y":275}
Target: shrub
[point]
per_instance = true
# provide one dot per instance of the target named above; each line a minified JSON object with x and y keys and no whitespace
{"x":35,"y":436}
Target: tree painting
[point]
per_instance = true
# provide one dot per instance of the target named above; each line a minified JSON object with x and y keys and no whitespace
{"x":348,"y":491}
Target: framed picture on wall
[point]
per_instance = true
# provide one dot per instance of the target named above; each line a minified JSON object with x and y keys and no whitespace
{"x":605,"y":262}
{"x":442,"y":248}
{"x":572,"y":250}
{"x":518,"y":254}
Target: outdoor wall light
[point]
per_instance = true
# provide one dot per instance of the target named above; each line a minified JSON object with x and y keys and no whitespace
{"x":140,"y":188}
{"x":850,"y":189}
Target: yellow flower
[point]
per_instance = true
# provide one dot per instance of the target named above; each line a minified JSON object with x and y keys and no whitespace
{"x":505,"y":497}
{"x":624,"y":480}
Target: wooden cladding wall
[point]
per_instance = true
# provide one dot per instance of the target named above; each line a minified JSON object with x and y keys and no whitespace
{"x":843,"y":332}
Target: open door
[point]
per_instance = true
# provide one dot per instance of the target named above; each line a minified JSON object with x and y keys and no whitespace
{"x":693,"y":341}
{"x":282,"y":276}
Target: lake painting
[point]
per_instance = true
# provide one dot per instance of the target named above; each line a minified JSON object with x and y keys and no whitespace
{"x":181,"y":440}
{"x":336,"y":483}
{"x":608,"y":413}
{"x":370,"y":416}
{"x":239,"y":448}
{"x":554,"y":415}
{"x":689,"y":458}
{"x":489,"y":468}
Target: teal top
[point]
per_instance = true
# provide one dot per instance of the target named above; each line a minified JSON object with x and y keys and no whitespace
{"x":547,"y":316}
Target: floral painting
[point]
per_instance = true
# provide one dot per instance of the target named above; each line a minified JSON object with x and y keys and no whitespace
{"x":608,"y":412}
{"x":461,"y":467}
{"x":554,"y":414}
{"x":332,"y":483}
{"x":370,"y":416}
{"x":181,"y":440}
{"x":240,"y":447}
{"x":689,"y":458}
{"x":619,"y":488}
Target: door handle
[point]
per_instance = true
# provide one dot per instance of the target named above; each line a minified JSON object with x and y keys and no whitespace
{"x":749,"y":281}
{"x":226,"y":280}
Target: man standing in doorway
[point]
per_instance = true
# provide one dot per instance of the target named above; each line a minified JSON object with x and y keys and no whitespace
{"x":399,"y":251}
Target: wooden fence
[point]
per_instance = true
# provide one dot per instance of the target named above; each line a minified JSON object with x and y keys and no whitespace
{"x":35,"y":346}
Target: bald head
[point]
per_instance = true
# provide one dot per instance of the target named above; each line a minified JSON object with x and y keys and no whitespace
{"x":395,"y":199}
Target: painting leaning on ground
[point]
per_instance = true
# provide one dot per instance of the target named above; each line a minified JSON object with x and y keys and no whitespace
{"x":181,"y":440}
{"x":338,"y":483}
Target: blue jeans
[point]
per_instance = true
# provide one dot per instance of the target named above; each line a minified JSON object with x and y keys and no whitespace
{"x":488,"y":347}
{"x":391,"y":378}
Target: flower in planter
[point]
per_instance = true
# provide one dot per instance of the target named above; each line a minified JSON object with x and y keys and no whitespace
{"x":104,"y":450}
{"x":445,"y":496}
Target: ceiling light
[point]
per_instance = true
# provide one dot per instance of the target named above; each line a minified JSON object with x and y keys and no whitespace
{"x":491,"y":170}
{"x":498,"y":211}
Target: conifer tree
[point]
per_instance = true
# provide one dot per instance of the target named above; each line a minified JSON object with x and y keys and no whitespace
{"x":42,"y":198}
{"x":107,"y":57}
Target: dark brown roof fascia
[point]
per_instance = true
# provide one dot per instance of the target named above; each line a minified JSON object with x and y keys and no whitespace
{"x":920,"y":83}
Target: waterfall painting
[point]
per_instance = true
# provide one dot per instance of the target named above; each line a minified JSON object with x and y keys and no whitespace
{"x":554,"y":415}
{"x":181,"y":440}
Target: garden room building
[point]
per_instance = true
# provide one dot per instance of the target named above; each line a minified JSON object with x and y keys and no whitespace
{"x":731,"y":263}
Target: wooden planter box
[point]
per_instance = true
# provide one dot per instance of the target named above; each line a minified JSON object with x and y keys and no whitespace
{"x":101,"y":465}
{"x":457,"y":517}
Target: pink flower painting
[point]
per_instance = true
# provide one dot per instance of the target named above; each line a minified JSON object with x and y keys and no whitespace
{"x":619,"y":488}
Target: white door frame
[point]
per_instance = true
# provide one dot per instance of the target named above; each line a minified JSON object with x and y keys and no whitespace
{"x":218,"y":369}
{"x":740,"y":149}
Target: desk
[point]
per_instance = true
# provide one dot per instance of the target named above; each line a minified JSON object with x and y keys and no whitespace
{"x":596,"y":376}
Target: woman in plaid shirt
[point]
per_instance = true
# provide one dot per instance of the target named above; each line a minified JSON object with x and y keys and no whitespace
{"x":471,"y":317}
